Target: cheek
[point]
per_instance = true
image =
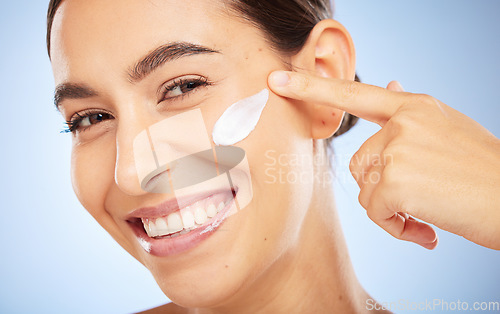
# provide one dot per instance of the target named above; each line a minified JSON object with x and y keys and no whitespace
{"x":280,"y":153}
{"x":283,"y":133}
{"x":92,"y":174}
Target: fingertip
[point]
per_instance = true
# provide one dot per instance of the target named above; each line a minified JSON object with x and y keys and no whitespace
{"x":395,"y":86}
{"x":416,"y":231}
{"x":278,"y":79}
{"x":430,"y":246}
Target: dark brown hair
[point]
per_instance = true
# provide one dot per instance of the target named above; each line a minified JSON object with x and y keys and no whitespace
{"x":285,"y":23}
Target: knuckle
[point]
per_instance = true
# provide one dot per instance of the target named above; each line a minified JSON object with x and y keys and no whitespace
{"x":391,"y":152}
{"x":377,"y":198}
{"x":395,"y":125}
{"x":356,"y":164}
{"x":388,"y":160}
{"x":401,"y":121}
{"x":363,"y":157}
{"x":405,"y":124}
{"x":424,"y":99}
{"x":371,"y":212}
{"x":390,"y":177}
{"x":368,"y":146}
{"x":413,"y":111}
{"x":422,"y":103}
{"x":363,"y":199}
{"x":353,"y":168}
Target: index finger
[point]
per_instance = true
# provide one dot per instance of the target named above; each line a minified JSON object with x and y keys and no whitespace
{"x":368,"y":102}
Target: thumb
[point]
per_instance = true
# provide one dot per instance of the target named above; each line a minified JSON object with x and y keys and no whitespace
{"x":395,"y":86}
{"x":404,"y":227}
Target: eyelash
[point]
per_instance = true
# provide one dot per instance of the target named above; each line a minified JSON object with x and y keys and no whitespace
{"x":72,"y":125}
{"x":183,"y":82}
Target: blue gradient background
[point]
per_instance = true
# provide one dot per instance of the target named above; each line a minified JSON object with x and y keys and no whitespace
{"x":56,"y":259}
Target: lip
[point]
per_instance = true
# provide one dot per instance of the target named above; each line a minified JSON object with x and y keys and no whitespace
{"x":163,"y":247}
{"x":170,"y":205}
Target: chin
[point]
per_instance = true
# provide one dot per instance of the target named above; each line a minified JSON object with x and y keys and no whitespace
{"x":201,"y":286}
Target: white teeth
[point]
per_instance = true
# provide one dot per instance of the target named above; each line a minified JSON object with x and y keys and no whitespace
{"x":220,"y":207}
{"x":200,"y":215}
{"x":161,"y":227}
{"x":187,"y":218}
{"x":174,"y":223}
{"x":211,"y":211}
{"x":147,"y":226}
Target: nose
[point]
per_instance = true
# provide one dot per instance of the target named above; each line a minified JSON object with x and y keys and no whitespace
{"x":147,"y":148}
{"x":129,"y":161}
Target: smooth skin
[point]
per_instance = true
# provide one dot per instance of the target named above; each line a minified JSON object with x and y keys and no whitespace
{"x":285,"y":252}
{"x":428,"y":161}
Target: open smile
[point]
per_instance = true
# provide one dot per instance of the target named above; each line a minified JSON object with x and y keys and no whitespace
{"x":168,"y":229}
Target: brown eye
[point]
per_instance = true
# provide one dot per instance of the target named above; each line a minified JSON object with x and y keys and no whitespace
{"x":183,"y":87}
{"x":85,"y":120}
{"x":93,"y":119}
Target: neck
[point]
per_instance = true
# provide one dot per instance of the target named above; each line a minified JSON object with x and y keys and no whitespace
{"x":315,"y":277}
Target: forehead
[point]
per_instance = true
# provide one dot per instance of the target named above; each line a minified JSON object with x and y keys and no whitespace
{"x":113,"y":33}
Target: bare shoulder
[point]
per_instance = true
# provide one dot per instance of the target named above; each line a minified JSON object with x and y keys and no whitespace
{"x":169,"y":308}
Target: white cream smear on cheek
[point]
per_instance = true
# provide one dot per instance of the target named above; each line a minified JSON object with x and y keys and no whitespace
{"x":240,"y":119}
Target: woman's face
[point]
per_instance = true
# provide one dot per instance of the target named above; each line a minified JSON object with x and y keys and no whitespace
{"x":95,"y":44}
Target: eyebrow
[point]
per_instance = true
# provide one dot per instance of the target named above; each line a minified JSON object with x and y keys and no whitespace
{"x":163,"y":54}
{"x":72,"y":91}
{"x":145,"y":66}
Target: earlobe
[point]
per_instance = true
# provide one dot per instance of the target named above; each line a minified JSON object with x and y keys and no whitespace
{"x":328,"y":52}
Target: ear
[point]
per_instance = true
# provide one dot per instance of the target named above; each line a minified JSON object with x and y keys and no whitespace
{"x":328,"y":52}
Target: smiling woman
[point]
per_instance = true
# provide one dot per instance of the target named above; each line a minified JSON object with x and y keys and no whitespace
{"x":143,"y":84}
{"x":133,"y":64}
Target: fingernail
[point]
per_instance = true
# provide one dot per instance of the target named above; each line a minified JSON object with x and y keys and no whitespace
{"x":400,"y":87}
{"x":429,"y":246}
{"x":279,"y":78}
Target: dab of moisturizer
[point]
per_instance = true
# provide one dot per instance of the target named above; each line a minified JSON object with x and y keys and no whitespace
{"x":240,"y":119}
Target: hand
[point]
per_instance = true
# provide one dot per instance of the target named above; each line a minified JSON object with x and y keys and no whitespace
{"x":428,"y":161}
